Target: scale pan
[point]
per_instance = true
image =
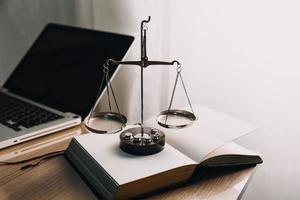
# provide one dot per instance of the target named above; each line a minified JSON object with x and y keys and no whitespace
{"x":106,"y":122}
{"x":175,"y":119}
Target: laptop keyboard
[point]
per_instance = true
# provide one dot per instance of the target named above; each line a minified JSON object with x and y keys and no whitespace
{"x":17,"y":114}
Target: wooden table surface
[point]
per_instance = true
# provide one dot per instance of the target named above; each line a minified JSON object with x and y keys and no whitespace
{"x":56,"y":178}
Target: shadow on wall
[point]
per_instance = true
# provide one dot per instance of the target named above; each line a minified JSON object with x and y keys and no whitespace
{"x":22,"y":21}
{"x":116,"y":17}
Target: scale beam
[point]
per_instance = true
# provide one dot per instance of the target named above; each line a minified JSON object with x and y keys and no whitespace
{"x":140,"y":63}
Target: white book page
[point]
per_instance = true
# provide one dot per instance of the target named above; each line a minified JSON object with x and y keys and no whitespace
{"x":231,"y":148}
{"x":124,"y":167}
{"x":211,"y":130}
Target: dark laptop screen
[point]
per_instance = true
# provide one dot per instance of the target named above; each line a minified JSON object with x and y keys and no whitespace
{"x":63,"y":68}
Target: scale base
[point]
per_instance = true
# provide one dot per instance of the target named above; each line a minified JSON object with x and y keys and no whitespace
{"x":132,"y":141}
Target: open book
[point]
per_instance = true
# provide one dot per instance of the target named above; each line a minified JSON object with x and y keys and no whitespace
{"x":114,"y":174}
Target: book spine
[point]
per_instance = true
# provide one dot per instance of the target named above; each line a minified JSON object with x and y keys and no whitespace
{"x":92,"y":172}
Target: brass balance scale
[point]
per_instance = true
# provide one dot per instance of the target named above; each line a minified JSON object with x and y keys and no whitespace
{"x":139,"y":140}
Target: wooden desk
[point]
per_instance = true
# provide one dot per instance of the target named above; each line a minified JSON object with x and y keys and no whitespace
{"x":57,"y":179}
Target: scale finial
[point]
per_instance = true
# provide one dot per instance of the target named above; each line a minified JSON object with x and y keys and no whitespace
{"x":146,"y":21}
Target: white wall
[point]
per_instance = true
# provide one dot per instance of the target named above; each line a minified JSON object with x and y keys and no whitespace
{"x":242,"y":57}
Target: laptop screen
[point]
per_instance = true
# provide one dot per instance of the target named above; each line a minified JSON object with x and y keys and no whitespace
{"x":63,"y":68}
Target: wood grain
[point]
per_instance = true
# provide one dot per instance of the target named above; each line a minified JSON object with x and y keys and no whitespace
{"x":57,"y":178}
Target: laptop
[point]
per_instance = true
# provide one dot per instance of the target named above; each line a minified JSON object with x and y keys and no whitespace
{"x":57,"y":82}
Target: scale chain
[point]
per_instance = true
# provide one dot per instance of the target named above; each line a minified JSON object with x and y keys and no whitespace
{"x":172,"y":97}
{"x":174,"y":88}
{"x":97,"y":96}
{"x":115,"y":100}
{"x":108,"y":95}
{"x":186,"y":94}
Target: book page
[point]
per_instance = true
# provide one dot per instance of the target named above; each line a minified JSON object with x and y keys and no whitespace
{"x":125,"y":168}
{"x":231,"y":154}
{"x":231,"y":148}
{"x":211,"y":130}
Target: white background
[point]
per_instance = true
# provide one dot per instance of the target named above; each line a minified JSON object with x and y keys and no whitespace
{"x":240,"y":57}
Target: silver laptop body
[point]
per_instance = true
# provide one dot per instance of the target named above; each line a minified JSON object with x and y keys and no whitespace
{"x":59,"y":76}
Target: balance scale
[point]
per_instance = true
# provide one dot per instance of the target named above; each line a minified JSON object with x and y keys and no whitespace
{"x":139,"y":140}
